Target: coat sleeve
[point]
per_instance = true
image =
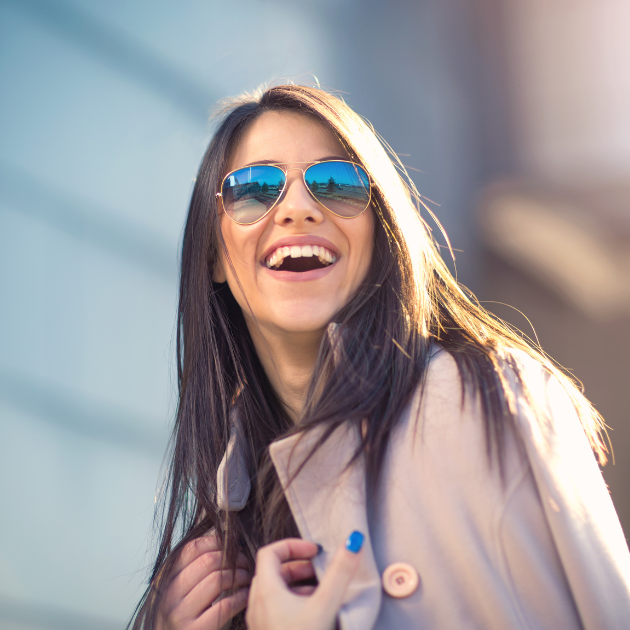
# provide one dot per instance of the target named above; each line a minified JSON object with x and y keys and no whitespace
{"x":576,"y":502}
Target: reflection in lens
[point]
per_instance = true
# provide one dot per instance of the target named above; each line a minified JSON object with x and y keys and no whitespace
{"x":250,"y":192}
{"x":342,"y":187}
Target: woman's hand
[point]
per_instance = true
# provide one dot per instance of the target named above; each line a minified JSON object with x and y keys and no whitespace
{"x":196,"y":581}
{"x":273,"y":605}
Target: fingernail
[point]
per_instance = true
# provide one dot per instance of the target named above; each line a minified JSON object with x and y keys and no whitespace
{"x":320,"y":549}
{"x":355,"y":542}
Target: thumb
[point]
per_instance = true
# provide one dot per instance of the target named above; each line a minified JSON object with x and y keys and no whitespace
{"x":332,"y":589}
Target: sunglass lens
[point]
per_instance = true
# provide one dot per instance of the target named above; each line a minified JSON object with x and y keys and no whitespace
{"x":342,"y":187}
{"x":249,"y":193}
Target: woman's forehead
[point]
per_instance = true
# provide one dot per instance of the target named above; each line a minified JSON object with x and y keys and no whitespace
{"x":285,"y":137}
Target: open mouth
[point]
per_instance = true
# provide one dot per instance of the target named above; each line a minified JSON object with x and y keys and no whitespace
{"x":300,"y":258}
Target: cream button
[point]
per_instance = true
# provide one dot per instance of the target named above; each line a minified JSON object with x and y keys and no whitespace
{"x":400,"y":579}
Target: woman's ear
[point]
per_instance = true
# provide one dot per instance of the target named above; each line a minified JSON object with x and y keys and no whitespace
{"x":218,"y":273}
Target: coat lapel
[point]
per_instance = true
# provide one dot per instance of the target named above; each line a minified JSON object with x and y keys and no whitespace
{"x":328,"y":502}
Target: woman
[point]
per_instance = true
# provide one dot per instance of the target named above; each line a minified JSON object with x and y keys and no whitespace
{"x":334,"y":378}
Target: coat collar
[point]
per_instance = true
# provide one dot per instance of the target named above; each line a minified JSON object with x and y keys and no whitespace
{"x":233,"y":481}
{"x":328,"y":502}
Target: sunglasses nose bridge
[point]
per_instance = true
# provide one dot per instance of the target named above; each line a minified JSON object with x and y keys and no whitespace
{"x":293,"y":168}
{"x":290,"y":181}
{"x":297,"y":204}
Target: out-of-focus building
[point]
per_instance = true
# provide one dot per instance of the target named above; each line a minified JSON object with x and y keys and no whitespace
{"x":556,"y":225}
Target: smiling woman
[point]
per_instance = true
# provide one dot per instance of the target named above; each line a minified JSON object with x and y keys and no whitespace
{"x":334,"y":379}
{"x":289,"y":297}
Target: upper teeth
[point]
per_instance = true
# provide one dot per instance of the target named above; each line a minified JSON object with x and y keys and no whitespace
{"x":276,"y":257}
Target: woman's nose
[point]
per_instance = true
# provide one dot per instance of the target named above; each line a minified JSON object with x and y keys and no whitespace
{"x":297,"y":205}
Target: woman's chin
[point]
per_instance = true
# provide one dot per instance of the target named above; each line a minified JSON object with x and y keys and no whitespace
{"x":299,"y":320}
{"x":305,"y":326}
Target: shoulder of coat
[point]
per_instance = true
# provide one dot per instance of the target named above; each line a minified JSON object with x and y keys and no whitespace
{"x":442,"y":380}
{"x":438,"y":401}
{"x":442,"y":390}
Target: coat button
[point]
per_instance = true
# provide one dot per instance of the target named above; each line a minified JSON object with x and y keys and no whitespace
{"x":400,"y":579}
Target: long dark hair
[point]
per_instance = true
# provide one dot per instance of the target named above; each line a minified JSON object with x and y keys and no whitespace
{"x":366,"y":371}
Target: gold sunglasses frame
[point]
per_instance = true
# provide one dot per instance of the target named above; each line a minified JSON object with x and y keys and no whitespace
{"x":278,"y":165}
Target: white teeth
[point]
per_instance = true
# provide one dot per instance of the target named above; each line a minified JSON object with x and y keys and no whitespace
{"x":276,"y":258}
{"x":326,"y":256}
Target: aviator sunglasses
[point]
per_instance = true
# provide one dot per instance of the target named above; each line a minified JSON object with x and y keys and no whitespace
{"x":249,"y":193}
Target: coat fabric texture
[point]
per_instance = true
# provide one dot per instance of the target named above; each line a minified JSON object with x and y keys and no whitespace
{"x":540,"y":548}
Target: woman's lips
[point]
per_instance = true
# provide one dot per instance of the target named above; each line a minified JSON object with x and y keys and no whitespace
{"x":276,"y":258}
{"x":299,"y":276}
{"x":299,"y":240}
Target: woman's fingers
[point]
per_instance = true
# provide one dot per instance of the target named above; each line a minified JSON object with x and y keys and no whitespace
{"x":203,"y":560}
{"x":220,"y":613}
{"x":198,"y":547}
{"x":271,"y":557}
{"x":296,"y":571}
{"x":274,"y":605}
{"x":198,"y":570}
{"x":332,"y":587}
{"x":195,"y":572}
{"x":194,"y":586}
{"x":189,"y":609}
{"x":193,"y":550}
{"x":210,"y":588}
{"x":303,"y":590}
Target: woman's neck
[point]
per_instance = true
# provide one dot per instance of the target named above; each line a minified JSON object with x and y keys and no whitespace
{"x":288,"y":360}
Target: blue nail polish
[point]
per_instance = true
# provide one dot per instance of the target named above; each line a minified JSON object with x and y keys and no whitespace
{"x":320,"y":549}
{"x":355,"y":542}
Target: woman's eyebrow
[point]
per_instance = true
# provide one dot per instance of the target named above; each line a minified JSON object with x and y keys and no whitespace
{"x":321,"y":159}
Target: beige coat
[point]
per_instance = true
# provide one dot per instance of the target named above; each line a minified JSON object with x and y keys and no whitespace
{"x":541,"y":550}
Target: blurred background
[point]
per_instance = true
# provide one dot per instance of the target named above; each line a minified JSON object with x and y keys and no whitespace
{"x":514,"y":117}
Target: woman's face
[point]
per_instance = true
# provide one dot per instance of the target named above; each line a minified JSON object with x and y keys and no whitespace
{"x":293,"y":301}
